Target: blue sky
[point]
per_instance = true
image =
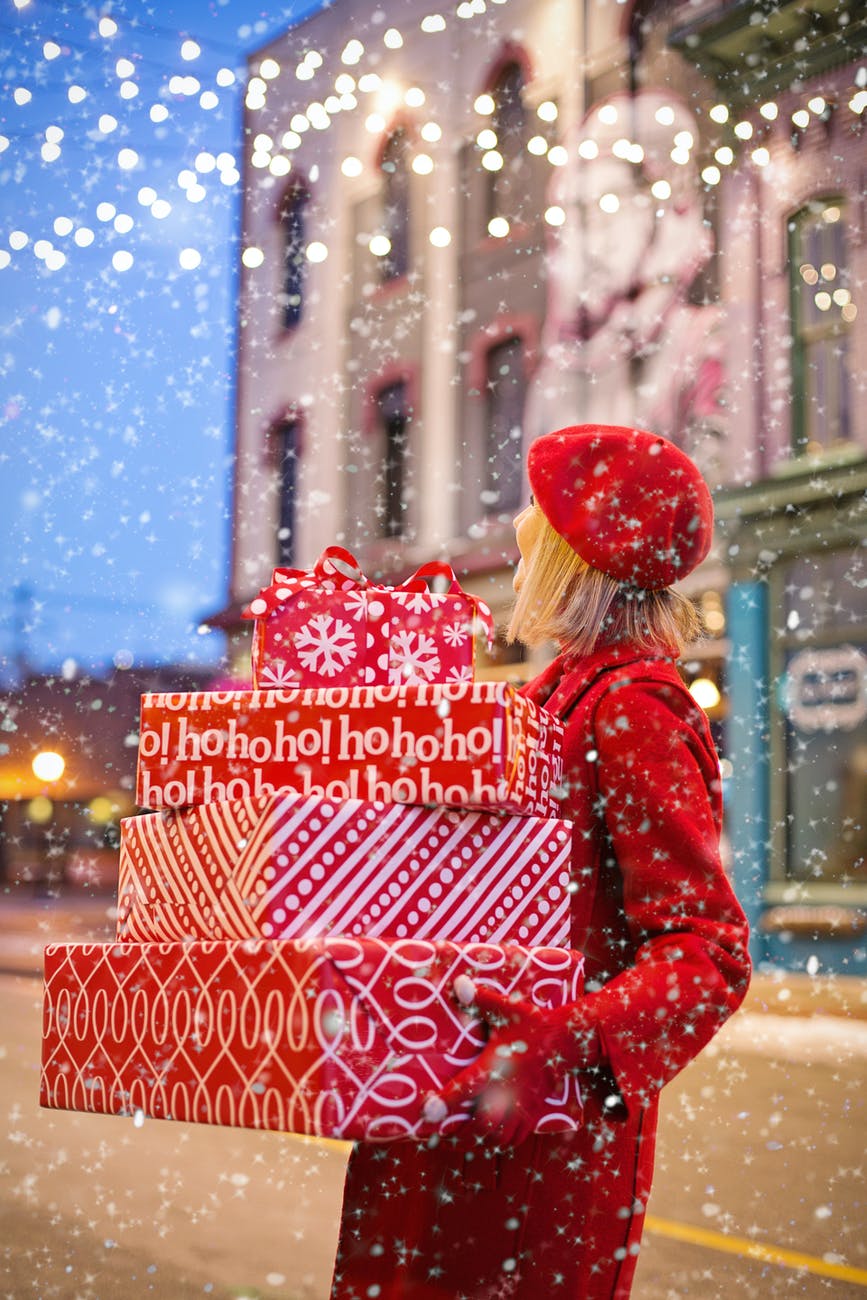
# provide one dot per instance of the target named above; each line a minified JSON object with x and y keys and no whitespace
{"x":116,"y":324}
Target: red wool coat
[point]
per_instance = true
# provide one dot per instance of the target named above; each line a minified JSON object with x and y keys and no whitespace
{"x":665,"y":945}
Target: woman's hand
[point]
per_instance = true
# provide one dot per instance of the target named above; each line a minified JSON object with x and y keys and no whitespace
{"x":528,"y":1053}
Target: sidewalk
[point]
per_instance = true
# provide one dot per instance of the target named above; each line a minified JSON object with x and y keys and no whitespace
{"x":27,"y":924}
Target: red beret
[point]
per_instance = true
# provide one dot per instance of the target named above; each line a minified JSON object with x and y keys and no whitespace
{"x":629,"y":502}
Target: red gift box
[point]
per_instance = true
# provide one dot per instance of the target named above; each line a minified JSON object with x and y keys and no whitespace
{"x":334,"y":1038}
{"x":472,"y":744}
{"x":330,"y":626}
{"x":287,"y":867}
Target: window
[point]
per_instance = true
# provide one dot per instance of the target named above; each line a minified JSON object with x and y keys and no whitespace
{"x":293,"y":223}
{"x":508,"y":185}
{"x":823,"y":716}
{"x":394,"y":418}
{"x":506,"y":391}
{"x":286,"y":437}
{"x":395,"y":205}
{"x":822,"y":310}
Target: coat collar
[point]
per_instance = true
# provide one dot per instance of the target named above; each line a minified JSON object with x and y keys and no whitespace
{"x":560,"y":684}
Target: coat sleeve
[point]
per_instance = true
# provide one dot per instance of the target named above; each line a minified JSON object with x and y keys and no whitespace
{"x":691,"y":968}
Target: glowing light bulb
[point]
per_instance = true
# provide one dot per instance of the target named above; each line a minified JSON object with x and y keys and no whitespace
{"x":705,"y":693}
{"x":48,"y":766}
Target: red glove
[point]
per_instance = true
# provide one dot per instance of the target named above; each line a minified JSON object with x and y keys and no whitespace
{"x":528,"y":1053}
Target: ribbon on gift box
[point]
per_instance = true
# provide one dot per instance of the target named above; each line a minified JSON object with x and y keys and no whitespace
{"x":330,"y":625}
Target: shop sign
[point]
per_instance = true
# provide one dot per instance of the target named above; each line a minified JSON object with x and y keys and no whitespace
{"x":826,"y":690}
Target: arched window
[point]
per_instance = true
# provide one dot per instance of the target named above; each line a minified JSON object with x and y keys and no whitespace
{"x":293,"y":225}
{"x":506,"y":390}
{"x":822,"y":311}
{"x":394,"y":165}
{"x":507,"y":187}
{"x":286,"y":435}
{"x":395,"y":415}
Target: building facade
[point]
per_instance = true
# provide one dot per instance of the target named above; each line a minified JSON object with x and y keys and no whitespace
{"x":461,"y":229}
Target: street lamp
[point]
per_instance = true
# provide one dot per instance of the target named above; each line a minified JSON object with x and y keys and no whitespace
{"x":48,"y":765}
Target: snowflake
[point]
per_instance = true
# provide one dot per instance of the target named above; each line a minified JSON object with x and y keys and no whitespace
{"x":355,"y":604}
{"x":415,"y":602}
{"x":413,"y":656}
{"x":464,"y":674}
{"x":279,"y":674}
{"x":455,"y":634}
{"x":325,"y":645}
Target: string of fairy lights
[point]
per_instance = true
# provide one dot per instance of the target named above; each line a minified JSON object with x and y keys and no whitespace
{"x":351,"y":84}
{"x":347,"y":91}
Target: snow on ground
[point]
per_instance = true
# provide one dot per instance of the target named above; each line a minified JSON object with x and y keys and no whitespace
{"x":810,"y":1039}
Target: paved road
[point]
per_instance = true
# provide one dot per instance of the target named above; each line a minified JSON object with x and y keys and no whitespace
{"x":762,"y":1138}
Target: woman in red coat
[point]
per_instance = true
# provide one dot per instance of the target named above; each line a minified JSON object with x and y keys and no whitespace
{"x":500,"y":1212}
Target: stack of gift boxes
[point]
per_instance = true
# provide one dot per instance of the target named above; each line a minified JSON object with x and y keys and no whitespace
{"x":331,"y":851}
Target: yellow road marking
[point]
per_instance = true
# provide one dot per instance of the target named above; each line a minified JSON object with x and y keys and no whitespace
{"x":753,"y":1249}
{"x":333,"y":1144}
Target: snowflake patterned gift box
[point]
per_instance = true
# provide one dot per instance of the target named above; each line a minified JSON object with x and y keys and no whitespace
{"x":340,"y":1038}
{"x":468,"y":744}
{"x":287,"y":867}
{"x":330,"y":626}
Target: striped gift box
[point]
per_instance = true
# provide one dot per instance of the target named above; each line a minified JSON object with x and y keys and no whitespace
{"x":288,"y":866}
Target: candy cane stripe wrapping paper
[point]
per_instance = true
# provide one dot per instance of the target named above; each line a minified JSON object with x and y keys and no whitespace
{"x":287,"y":867}
{"x":333,"y":1038}
{"x":471,"y":744}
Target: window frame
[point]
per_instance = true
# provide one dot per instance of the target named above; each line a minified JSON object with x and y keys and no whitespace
{"x":516,"y":341}
{"x":396,"y":264}
{"x":294,"y":200}
{"x":805,"y":336}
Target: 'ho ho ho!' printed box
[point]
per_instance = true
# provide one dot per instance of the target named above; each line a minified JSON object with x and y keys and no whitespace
{"x":475,"y":744}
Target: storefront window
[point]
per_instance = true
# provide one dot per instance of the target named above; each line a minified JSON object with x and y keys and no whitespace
{"x":823,"y":705}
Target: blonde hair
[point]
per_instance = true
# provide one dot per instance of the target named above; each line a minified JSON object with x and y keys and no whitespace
{"x":564,"y":599}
